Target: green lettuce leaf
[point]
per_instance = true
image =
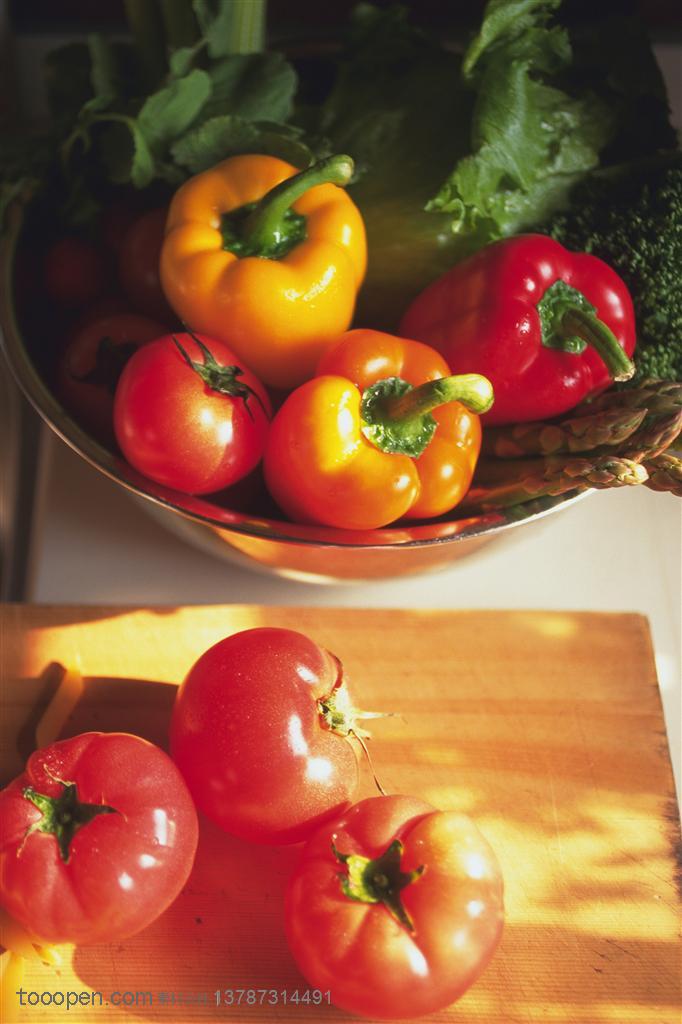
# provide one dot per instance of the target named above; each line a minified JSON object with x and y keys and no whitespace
{"x":549,"y":108}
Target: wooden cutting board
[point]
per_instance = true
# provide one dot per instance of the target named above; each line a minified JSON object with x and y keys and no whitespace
{"x":545,"y":727}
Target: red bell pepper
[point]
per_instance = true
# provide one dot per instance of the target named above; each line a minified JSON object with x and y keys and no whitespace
{"x":546,"y":326}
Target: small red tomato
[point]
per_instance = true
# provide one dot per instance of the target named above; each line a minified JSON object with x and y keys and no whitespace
{"x":260,"y":732}
{"x":92,"y":363}
{"x":189,"y":416}
{"x":97,"y":838}
{"x":395,"y":908}
{"x":138,"y":265}
{"x":74,"y":272}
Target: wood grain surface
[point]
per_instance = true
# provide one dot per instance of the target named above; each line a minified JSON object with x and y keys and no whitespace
{"x":545,"y":727}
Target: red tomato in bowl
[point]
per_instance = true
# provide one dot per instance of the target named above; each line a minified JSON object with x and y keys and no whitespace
{"x":97,"y":838}
{"x":74,"y":272}
{"x":189,"y":415}
{"x":252,"y":734}
{"x":395,"y":908}
{"x":138,"y":265}
{"x":92,"y":363}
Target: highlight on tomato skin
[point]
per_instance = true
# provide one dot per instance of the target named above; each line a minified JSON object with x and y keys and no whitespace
{"x":259,"y":737}
{"x":190,"y":415}
{"x":395,"y":907}
{"x":97,"y":838}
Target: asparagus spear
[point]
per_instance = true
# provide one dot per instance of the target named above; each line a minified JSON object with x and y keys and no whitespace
{"x":502,"y":483}
{"x":634,"y":398}
{"x":575,"y":434}
{"x":645,"y":416}
{"x":615,"y":440}
{"x":665,"y":473}
{"x":658,"y":430}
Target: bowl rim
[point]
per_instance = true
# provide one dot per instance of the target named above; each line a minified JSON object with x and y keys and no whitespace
{"x":208,"y":513}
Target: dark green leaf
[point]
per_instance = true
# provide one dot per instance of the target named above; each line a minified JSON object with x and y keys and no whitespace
{"x":166,"y":114}
{"x":231,"y":26}
{"x":504,"y":20}
{"x":530,"y":138}
{"x":126,"y":154}
{"x":142,"y":168}
{"x":225,"y":136}
{"x":103,"y":69}
{"x":181,"y":61}
{"x":68,"y":80}
{"x":256,"y":87}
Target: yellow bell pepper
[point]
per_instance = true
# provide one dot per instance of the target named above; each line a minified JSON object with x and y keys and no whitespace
{"x":266,"y":259}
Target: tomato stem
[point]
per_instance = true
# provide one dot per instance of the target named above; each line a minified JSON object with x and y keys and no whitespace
{"x":222,"y":379}
{"x":338,"y":714}
{"x":64,"y":815}
{"x":380,"y":880}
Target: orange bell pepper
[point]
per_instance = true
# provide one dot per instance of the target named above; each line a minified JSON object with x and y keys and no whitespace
{"x":382,"y":432}
{"x":267,"y":260}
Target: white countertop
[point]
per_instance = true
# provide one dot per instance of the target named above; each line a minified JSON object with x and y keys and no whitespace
{"x":613,"y":551}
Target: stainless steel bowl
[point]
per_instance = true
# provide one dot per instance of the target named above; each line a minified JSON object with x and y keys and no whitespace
{"x":314,"y":554}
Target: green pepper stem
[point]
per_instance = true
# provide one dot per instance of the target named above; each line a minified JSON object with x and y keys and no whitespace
{"x":264,"y":227}
{"x":576,"y":322}
{"x":396,"y":417}
{"x":470,"y":389}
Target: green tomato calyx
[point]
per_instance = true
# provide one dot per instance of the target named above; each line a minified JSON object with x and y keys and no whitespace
{"x":338,"y":714}
{"x":378,"y":881}
{"x":219,"y":378}
{"x":64,"y":815}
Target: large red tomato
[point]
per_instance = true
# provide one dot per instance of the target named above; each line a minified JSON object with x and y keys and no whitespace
{"x":189,"y":415}
{"x":395,"y":908}
{"x":92,"y":363}
{"x":260,"y":732}
{"x":97,"y":838}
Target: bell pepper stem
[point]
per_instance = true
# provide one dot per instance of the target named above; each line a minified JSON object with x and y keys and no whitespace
{"x":576,"y":322}
{"x":396,"y":417}
{"x":264,"y":227}
{"x":470,"y":389}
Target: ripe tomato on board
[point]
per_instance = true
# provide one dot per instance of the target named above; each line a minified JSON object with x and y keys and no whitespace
{"x":260,"y":731}
{"x":92,"y":363}
{"x":189,"y":415}
{"x":97,"y":838}
{"x":394,"y":907}
{"x":138,"y":265}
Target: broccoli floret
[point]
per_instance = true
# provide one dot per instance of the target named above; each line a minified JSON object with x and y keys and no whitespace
{"x":633,"y":221}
